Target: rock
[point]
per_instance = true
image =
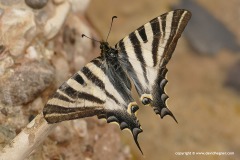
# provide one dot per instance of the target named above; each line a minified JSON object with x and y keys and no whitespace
{"x":36,"y":105}
{"x":32,"y":53}
{"x":17,"y":30}
{"x":9,"y":2}
{"x":6,"y":63}
{"x":13,"y":116}
{"x":25,"y":82}
{"x":79,"y":5}
{"x":6,"y":134}
{"x":205,"y":33}
{"x":36,"y":4}
{"x":54,"y":24}
{"x":80,"y":127}
{"x":62,"y":133}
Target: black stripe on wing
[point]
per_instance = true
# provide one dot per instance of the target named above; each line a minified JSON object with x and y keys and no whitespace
{"x":156,"y":39}
{"x":71,"y":92}
{"x":91,"y":77}
{"x":95,"y":80}
{"x":62,"y":97}
{"x":163,"y":22}
{"x":78,"y":78}
{"x":138,"y":52}
{"x":142,"y":32}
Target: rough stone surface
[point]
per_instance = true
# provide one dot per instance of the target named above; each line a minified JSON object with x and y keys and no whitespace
{"x":79,"y":5}
{"x":6,"y":63}
{"x":36,"y":4}
{"x":7,"y":133}
{"x":9,"y":2}
{"x":17,"y":29}
{"x":26,"y":82}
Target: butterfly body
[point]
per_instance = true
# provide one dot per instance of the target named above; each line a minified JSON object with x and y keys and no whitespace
{"x":103,"y":87}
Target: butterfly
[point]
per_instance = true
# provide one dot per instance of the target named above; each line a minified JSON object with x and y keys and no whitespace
{"x":103,"y":87}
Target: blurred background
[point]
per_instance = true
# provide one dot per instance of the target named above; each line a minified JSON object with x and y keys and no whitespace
{"x":204,"y":77}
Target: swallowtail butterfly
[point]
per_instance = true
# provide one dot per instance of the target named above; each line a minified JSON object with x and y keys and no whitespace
{"x":102,"y":87}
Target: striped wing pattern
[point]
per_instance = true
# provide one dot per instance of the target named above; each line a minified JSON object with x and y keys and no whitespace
{"x":145,"y":53}
{"x":103,"y":87}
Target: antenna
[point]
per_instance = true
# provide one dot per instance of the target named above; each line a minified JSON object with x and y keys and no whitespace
{"x":110,"y":27}
{"x":83,"y":35}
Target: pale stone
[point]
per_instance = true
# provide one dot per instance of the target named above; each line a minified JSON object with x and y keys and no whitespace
{"x":61,"y":133}
{"x":37,"y":104}
{"x":54,"y":24}
{"x":79,"y":5}
{"x":9,"y":2}
{"x":5,"y":64}
{"x":32,"y":53}
{"x":80,"y":126}
{"x":17,"y":29}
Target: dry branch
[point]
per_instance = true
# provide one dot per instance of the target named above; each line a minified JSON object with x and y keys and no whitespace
{"x":27,"y":140}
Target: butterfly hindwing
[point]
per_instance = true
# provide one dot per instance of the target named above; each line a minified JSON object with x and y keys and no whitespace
{"x":145,"y":53}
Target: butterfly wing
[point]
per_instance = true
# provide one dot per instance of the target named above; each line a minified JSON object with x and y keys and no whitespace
{"x":100,"y":88}
{"x":145,"y":53}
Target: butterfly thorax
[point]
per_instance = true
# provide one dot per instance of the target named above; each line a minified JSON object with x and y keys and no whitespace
{"x":107,"y":52}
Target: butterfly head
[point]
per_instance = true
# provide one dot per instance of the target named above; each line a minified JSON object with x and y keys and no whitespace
{"x":104,"y":46}
{"x":107,"y":52}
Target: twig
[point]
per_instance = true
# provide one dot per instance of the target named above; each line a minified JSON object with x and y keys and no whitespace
{"x":27,"y":140}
